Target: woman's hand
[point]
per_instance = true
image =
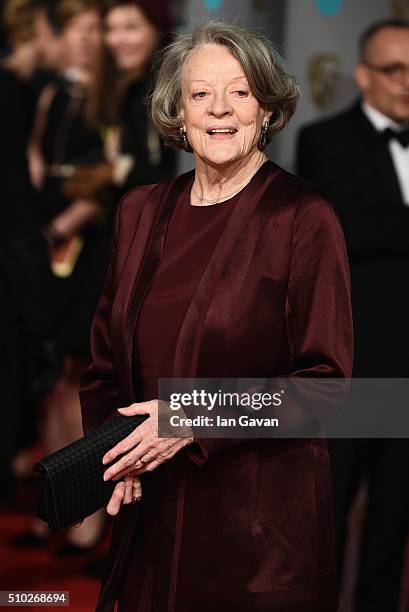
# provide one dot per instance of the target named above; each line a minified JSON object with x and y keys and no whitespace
{"x":127,"y":491}
{"x":143,"y":450}
{"x":88,"y":181}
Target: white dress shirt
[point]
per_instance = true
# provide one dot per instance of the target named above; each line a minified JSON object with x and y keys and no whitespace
{"x":400,"y":155}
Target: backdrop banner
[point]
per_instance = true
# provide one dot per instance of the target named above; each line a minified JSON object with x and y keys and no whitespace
{"x":321,"y":48}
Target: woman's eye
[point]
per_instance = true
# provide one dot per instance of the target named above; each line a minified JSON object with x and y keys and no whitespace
{"x":199,"y":94}
{"x":242,"y":93}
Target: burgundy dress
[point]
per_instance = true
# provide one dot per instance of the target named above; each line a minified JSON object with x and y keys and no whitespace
{"x":230,"y":526}
{"x":192,"y":235}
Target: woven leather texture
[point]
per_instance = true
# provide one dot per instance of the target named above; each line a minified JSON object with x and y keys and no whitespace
{"x":72,"y":485}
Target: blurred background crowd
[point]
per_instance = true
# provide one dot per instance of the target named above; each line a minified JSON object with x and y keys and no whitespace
{"x":75,"y":135}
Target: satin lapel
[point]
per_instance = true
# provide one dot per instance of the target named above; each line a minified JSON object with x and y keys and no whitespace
{"x":380,"y":160}
{"x":143,"y":258}
{"x":188,"y":344}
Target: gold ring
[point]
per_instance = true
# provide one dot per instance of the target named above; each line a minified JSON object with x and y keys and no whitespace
{"x":142,"y":461}
{"x":135,"y":499}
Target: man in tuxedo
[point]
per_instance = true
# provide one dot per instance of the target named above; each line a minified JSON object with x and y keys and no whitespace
{"x":360,"y":159}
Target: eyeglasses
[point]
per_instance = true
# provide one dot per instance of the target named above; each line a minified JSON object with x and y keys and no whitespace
{"x":395,"y":72}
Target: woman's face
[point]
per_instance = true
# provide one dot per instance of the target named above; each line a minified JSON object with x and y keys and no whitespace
{"x":216,"y":95}
{"x":130,"y":37}
{"x":81,"y":40}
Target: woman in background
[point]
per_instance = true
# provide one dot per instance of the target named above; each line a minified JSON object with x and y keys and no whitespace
{"x":30,"y":362}
{"x":63,"y":140}
{"x":134,"y":152}
{"x":134,"y":31}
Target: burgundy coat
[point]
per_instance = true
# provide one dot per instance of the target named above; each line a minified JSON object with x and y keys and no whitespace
{"x":232,"y":525}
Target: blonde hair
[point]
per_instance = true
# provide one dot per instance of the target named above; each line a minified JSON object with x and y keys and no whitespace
{"x":267,"y":76}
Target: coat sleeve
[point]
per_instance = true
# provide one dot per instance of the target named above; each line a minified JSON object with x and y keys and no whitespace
{"x":318,"y":321}
{"x":369,"y":229}
{"x":100,"y":390}
{"x":99,"y":393}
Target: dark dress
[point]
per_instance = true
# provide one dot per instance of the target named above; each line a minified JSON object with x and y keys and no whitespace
{"x":192,"y":234}
{"x":25,"y":278}
{"x":154,"y":162}
{"x":67,"y":139}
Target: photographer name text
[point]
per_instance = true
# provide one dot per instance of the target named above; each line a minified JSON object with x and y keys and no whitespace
{"x":219,"y":421}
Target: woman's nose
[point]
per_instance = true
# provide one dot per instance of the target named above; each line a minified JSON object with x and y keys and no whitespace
{"x":219,"y":106}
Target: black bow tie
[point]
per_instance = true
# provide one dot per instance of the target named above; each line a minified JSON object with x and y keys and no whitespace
{"x":402,"y":137}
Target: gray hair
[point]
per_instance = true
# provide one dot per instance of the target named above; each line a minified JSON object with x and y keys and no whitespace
{"x":271,"y":84}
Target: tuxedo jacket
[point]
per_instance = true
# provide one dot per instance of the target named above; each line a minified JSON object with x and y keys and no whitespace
{"x":240,"y":525}
{"x":350,"y":161}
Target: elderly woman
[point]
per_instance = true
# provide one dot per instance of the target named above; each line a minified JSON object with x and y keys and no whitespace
{"x":235,"y":269}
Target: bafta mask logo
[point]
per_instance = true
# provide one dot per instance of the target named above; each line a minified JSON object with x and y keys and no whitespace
{"x":212,"y":5}
{"x":400,"y":8}
{"x":328,"y":7}
{"x":324,"y":71}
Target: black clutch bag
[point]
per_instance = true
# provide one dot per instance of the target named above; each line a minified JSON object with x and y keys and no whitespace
{"x":71,"y":479}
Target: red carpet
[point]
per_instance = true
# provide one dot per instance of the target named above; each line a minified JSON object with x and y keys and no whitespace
{"x":39,"y":569}
{"x":28,"y":569}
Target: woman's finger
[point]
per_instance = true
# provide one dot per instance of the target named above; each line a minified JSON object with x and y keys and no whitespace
{"x":164,"y":451}
{"x":128,"y":490}
{"x":124,"y":446}
{"x":138,"y":433}
{"x":130,"y":460}
{"x":152,"y":465}
{"x":133,"y":489}
{"x":141,"y":456}
{"x":151,"y":458}
{"x":135,"y":469}
{"x":117,"y":496}
{"x":139,"y":408}
{"x":137,"y":488}
{"x":127,"y":462}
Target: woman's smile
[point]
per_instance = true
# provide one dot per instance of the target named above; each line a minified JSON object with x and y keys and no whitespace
{"x":222,"y":135}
